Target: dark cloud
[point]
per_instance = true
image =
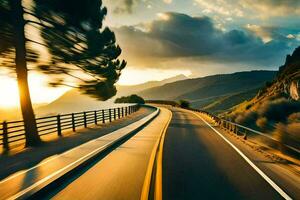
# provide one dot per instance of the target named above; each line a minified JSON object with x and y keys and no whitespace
{"x":177,"y":35}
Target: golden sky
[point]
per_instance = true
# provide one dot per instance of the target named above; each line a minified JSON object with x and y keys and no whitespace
{"x":165,"y":38}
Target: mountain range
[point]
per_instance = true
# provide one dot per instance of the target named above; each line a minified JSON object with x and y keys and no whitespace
{"x":230,"y":89}
{"x":203,"y":92}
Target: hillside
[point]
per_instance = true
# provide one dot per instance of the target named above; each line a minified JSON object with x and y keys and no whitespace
{"x":132,"y":89}
{"x":204,"y":91}
{"x":276,"y":107}
{"x":74,"y":101}
{"x":225,"y":103}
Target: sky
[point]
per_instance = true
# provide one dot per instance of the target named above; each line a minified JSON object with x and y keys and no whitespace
{"x":203,"y":37}
{"x":165,"y":38}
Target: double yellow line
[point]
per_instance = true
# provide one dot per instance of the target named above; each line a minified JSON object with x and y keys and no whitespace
{"x":155,"y":163}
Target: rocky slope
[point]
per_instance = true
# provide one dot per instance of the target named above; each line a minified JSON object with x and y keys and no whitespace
{"x":276,"y":107}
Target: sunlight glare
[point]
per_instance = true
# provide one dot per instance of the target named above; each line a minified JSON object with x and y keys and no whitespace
{"x":40,"y":92}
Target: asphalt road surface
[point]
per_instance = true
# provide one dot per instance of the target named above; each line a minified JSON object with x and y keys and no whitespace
{"x":199,"y":164}
{"x":119,"y":175}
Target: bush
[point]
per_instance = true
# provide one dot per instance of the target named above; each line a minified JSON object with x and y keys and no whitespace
{"x":262,"y":122}
{"x":184,"y":104}
{"x":130,"y":99}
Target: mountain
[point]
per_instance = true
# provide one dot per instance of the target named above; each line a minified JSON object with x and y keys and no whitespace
{"x":275,"y":108}
{"x":74,"y":101}
{"x":132,"y":89}
{"x":204,"y":91}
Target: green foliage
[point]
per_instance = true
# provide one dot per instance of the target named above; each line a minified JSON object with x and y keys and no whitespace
{"x":130,"y":99}
{"x":76,"y":38}
{"x":83,"y":53}
{"x":184,"y":104}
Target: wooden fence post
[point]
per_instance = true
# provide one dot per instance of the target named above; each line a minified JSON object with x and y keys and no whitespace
{"x":73,"y":122}
{"x":5,"y":136}
{"x":115,"y":114}
{"x":58,"y":126}
{"x":122,"y":111}
{"x":103,"y":117}
{"x":95,"y":115}
{"x":84,"y":120}
{"x":109,"y":115}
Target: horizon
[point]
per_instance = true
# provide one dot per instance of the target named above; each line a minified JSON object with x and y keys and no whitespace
{"x":153,"y":54}
{"x":55,"y":95}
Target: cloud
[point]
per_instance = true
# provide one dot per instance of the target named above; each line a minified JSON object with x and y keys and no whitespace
{"x":179,"y":36}
{"x":251,"y":8}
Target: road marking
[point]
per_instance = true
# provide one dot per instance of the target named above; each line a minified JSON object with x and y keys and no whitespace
{"x":21,"y":193}
{"x":261,"y":173}
{"x":94,"y":152}
{"x":158,"y":178}
{"x":156,"y":150}
{"x":54,"y":157}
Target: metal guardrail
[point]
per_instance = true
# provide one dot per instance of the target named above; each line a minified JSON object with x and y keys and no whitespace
{"x":234,"y":127}
{"x":245,"y":131}
{"x":14,"y":131}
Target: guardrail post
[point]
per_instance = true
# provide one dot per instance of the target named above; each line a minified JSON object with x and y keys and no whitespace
{"x":115,"y":114}
{"x":122,"y":111}
{"x":58,"y":126}
{"x":119,"y":116}
{"x":84,"y":120}
{"x":73,"y":122}
{"x":109,"y":110}
{"x":126,"y":112}
{"x":5,"y":136}
{"x":95,"y":115}
{"x":103,"y":117}
{"x":245,"y":135}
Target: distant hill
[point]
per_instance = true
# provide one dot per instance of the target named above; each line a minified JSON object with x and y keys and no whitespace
{"x":227,"y":102}
{"x":203,"y":91}
{"x":74,"y":101}
{"x":132,"y":89}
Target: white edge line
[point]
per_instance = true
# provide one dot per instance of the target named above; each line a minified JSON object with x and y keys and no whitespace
{"x":21,"y":193}
{"x":59,"y":155}
{"x":261,"y":173}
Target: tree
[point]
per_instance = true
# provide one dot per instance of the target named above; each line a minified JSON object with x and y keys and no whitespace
{"x":184,"y":104}
{"x":130,"y":99}
{"x":77,"y":38}
{"x":78,"y":45}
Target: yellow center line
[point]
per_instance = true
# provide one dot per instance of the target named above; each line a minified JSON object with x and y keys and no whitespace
{"x":156,"y":155}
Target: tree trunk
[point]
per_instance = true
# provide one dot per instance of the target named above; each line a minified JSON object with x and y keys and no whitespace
{"x":31,"y":132}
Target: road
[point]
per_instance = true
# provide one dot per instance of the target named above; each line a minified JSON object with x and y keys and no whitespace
{"x":199,"y":164}
{"x":120,"y":174}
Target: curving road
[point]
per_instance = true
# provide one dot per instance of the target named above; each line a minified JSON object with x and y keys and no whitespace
{"x":199,"y":164}
{"x":120,"y":174}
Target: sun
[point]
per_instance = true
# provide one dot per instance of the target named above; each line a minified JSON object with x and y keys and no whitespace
{"x":9,"y":95}
{"x":39,"y":91}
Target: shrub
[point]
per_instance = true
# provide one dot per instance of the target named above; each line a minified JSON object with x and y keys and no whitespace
{"x":262,"y":122}
{"x":278,"y":110}
{"x":184,"y":104}
{"x":130,"y":99}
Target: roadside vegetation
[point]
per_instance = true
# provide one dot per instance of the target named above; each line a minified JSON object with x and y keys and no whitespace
{"x":82,"y":53}
{"x":130,"y":99}
{"x":274,"y":109}
{"x":184,"y":104}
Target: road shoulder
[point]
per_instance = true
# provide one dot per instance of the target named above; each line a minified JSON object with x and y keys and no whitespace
{"x":285,"y":174}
